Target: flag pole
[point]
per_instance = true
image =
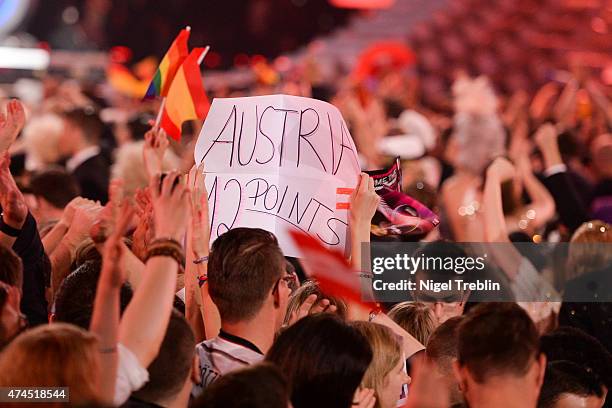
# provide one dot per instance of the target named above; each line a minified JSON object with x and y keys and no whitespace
{"x":203,"y":54}
{"x":163,"y":102}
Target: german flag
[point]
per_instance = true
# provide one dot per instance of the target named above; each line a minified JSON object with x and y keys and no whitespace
{"x":186,"y":99}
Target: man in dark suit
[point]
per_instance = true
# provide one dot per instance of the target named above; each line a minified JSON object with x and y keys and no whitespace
{"x":86,"y":161}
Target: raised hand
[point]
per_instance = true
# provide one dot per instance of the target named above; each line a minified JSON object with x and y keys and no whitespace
{"x":364,"y":202}
{"x":113,"y":250}
{"x":364,"y":398}
{"x":170,"y":206}
{"x":502,"y":169}
{"x":85,"y":216}
{"x":11,"y":124}
{"x":199,"y":211}
{"x":312,"y":305}
{"x":14,"y":207}
{"x":156,"y":143}
{"x":145,"y":229}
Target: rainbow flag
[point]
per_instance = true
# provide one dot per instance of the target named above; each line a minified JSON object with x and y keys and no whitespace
{"x":124,"y":81}
{"x":176,"y":54}
{"x":186,"y":98}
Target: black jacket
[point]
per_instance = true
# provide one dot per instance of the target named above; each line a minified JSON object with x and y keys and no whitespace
{"x":36,"y":272}
{"x":93,"y":177}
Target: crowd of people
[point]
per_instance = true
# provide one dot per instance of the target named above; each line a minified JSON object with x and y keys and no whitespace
{"x":111,"y":287}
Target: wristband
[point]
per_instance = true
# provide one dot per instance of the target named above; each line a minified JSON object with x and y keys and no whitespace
{"x":200,"y":260}
{"x":166,"y":247}
{"x":8,"y":230}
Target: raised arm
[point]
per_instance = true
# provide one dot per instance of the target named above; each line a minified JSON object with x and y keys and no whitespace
{"x":526,"y":282}
{"x":364,"y":202}
{"x":569,"y":205}
{"x":494,"y":221}
{"x":542,"y":203}
{"x":14,"y":209}
{"x":105,"y":316}
{"x":64,"y":254}
{"x":199,"y":305}
{"x":145,"y":320}
{"x":19,"y":232}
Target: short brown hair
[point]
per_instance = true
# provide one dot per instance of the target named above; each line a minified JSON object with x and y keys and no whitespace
{"x":244,"y":265}
{"x":53,"y":355}
{"x":55,"y":185}
{"x":441,"y":348}
{"x":11,"y":267}
{"x":170,"y":369}
{"x":416,"y":318}
{"x":88,"y":120}
{"x":497,"y":338}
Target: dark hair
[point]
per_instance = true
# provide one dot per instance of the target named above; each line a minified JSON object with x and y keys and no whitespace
{"x":244,"y":265}
{"x":75,"y":297}
{"x":11,"y":267}
{"x":324,"y":360}
{"x":259,"y":386}
{"x":566,"y":377}
{"x":171,"y":368}
{"x":54,"y":185}
{"x":87,"y":120}
{"x":572,"y":344}
{"x":496,"y":338}
{"x":138,"y":125}
{"x":442,"y":345}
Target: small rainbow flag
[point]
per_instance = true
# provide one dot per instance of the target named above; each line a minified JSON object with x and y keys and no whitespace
{"x":176,"y":54}
{"x":186,"y":98}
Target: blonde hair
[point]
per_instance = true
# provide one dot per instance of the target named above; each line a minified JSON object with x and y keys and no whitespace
{"x":129,"y":166}
{"x":416,"y":318}
{"x":386,"y":354}
{"x":582,"y":257}
{"x":311,"y":287}
{"x":41,"y":140}
{"x":55,"y":355}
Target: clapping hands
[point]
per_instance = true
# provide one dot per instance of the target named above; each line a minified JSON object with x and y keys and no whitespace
{"x":11,"y":124}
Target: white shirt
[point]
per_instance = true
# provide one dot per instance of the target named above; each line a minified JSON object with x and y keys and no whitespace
{"x":131,"y":376}
{"x":220,"y":356}
{"x":81,"y":157}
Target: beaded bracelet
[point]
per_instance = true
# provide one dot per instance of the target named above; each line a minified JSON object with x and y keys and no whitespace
{"x":166,"y":250}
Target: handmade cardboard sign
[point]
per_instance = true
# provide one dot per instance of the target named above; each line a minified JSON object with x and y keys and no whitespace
{"x":280,"y":163}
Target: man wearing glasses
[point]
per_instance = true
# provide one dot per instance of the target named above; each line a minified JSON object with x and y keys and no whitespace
{"x":250,"y":284}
